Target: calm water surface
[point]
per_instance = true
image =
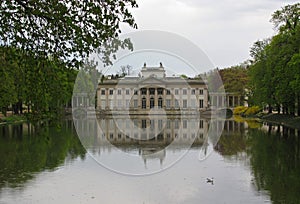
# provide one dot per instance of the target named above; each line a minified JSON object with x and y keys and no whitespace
{"x":251,"y":163}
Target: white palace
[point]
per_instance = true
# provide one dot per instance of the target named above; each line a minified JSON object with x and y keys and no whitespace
{"x":152,"y":90}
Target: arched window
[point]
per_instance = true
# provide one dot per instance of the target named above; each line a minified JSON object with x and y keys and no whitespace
{"x":160,"y":102}
{"x":144,"y":103}
{"x":151,"y":102}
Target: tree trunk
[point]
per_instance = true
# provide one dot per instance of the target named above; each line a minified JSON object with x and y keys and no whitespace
{"x":298,"y":105}
{"x":270,"y":109}
{"x":15,"y":109}
{"x":20,"y":106}
{"x":4,"y":111}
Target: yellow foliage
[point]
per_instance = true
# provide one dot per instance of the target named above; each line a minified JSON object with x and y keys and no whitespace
{"x":239,"y":110}
{"x":252,"y":110}
{"x":242,"y":110}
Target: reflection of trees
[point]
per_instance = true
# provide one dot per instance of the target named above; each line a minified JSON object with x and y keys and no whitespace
{"x":26,"y":149}
{"x":275,"y":162}
{"x":232,"y":144}
{"x":233,"y":140}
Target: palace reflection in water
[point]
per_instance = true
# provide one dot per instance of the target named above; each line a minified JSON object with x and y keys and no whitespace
{"x":34,"y":156}
{"x":147,"y":135}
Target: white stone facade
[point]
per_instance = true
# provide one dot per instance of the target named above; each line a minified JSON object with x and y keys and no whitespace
{"x":152,"y":90}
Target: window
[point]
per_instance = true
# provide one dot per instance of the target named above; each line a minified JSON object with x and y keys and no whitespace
{"x":135,"y":92}
{"x":193,"y":135}
{"x":103,"y":92}
{"x":193,"y":91}
{"x":111,"y":92}
{"x":127,"y":124}
{"x":135,"y":103}
{"x":135,"y":122}
{"x":152,"y":91}
{"x":160,"y":102}
{"x":201,"y":91}
{"x":176,"y":91}
{"x":119,"y":136}
{"x":168,"y":126}
{"x":184,"y":92}
{"x":127,"y":91}
{"x":143,"y":91}
{"x":111,"y":102}
{"x":176,"y":104}
{"x":184,"y":124}
{"x":144,"y":124}
{"x":143,"y":103}
{"x":160,"y":124}
{"x":176,"y":124}
{"x":201,"y":103}
{"x":152,"y":124}
{"x":151,"y":102}
{"x":160,"y":91}
{"x":119,"y":91}
{"x":184,"y":103}
{"x":127,"y":103}
{"x":168,"y":103}
{"x":201,"y":124}
{"x":119,"y":103}
{"x":111,"y":136}
{"x":168,"y":92}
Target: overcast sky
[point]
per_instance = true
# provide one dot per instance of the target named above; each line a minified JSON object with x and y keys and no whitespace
{"x":223,"y":29}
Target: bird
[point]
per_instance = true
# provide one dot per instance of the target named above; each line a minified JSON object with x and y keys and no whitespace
{"x":210,"y":180}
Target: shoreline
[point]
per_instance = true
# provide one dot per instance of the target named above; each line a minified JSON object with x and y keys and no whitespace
{"x":280,"y":119}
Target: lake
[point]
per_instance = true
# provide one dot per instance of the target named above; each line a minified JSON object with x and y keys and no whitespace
{"x":149,"y":160}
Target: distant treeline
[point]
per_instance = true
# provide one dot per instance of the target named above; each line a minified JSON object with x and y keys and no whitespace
{"x":275,"y":68}
{"x":272,"y":77}
{"x":42,"y":84}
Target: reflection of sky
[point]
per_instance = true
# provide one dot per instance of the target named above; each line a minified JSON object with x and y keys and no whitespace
{"x":185,"y":182}
{"x":173,"y":65}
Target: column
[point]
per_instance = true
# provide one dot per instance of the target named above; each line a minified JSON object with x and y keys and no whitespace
{"x":172,"y":98}
{"x":106,"y":99}
{"x":164,"y":97}
{"x":147,"y":99}
{"x":139,"y":98}
{"x":155,"y":98}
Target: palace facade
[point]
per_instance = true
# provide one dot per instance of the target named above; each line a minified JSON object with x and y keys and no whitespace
{"x":153,"y":91}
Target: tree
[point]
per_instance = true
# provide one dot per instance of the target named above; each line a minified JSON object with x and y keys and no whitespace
{"x":287,"y":19}
{"x":274,"y":71}
{"x":234,"y":79}
{"x":7,"y":88}
{"x":65,"y":29}
{"x":125,"y":70}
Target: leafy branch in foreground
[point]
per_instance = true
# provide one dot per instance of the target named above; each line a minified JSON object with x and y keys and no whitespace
{"x":65,"y":29}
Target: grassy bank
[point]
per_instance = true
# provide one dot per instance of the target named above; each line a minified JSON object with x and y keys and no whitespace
{"x":287,"y":120}
{"x":12,"y":119}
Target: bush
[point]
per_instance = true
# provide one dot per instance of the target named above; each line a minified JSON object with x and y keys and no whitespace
{"x":246,"y":111}
{"x":252,"y":110}
{"x":239,"y":110}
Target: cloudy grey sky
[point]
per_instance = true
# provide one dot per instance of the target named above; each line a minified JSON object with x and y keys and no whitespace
{"x":223,"y":29}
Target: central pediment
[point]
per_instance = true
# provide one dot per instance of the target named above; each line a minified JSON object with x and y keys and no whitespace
{"x":152,"y":81}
